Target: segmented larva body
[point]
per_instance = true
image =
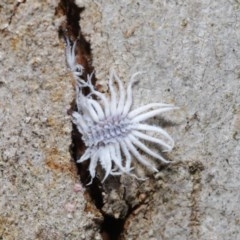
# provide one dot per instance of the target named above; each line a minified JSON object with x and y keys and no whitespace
{"x":105,"y":130}
{"x":111,"y":130}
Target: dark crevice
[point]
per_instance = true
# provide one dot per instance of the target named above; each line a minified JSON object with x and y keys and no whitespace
{"x":111,"y":227}
{"x":15,"y":10}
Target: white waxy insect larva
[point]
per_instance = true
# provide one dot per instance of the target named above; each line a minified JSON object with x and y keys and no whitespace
{"x":77,"y":69}
{"x":111,"y":131}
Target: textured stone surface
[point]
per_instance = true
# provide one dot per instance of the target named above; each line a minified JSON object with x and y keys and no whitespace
{"x":190,"y":52}
{"x":37,"y":177}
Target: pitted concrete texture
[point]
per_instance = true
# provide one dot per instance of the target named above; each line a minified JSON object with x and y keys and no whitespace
{"x":37,"y":178}
{"x":190,"y":52}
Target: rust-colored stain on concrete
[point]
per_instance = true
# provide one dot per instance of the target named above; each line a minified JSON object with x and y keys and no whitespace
{"x":59,"y":163}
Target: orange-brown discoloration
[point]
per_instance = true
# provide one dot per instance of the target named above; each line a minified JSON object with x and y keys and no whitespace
{"x":58,"y":163}
{"x":15,"y":43}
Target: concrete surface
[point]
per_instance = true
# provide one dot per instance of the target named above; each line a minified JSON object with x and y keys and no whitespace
{"x":190,"y":52}
{"x":37,"y":179}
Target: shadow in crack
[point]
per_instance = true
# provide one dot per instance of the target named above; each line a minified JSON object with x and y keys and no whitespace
{"x":110,"y":228}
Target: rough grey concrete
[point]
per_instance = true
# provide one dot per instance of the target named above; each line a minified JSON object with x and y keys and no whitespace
{"x":190,"y":52}
{"x":39,"y":198}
